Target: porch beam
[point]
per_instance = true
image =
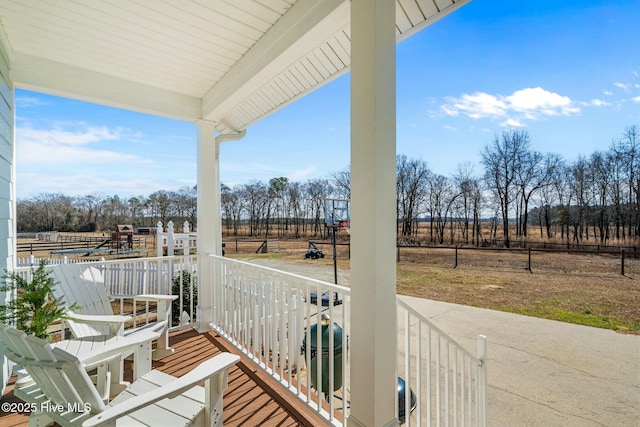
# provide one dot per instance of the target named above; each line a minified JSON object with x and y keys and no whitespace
{"x":56,"y":78}
{"x":373,"y":214}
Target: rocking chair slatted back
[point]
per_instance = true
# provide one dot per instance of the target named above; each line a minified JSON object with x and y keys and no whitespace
{"x":81,"y":285}
{"x":84,"y":285}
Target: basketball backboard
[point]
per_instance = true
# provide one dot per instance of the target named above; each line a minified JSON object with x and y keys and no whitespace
{"x":336,"y":212}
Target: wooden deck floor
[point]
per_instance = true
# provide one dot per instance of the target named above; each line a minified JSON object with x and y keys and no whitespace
{"x":252,"y":398}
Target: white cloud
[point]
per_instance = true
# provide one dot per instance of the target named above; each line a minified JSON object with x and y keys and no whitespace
{"x":525,"y":104}
{"x":476,"y":106}
{"x":449,"y":111}
{"x":622,"y":86}
{"x":608,"y":93}
{"x":512,"y":123}
{"x":59,"y":146}
{"x":537,"y":101}
{"x":29,"y":101}
{"x":636,"y":99}
{"x":596,"y":103}
{"x":29,"y":184}
{"x":448,"y":127}
{"x":302,"y":173}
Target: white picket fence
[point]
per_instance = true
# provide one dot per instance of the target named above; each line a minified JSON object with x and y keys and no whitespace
{"x":35,"y":261}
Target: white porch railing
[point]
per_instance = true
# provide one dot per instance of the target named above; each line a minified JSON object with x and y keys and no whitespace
{"x":125,"y":278}
{"x":448,"y":381}
{"x":269,"y":315}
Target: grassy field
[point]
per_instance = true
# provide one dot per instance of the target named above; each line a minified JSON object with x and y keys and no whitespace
{"x":584,"y":289}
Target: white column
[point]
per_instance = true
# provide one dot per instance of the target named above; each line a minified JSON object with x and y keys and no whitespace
{"x":373,"y":214}
{"x":209,"y":222}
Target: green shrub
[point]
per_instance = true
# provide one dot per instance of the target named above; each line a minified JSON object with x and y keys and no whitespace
{"x":186,"y":295}
{"x":32,"y":307}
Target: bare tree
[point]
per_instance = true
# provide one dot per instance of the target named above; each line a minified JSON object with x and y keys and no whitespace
{"x":467,"y":209}
{"x":412,"y":177}
{"x":579,"y":175}
{"x":277,"y":192}
{"x":256,"y":200}
{"x":536,"y":172}
{"x":317,"y":191}
{"x":602,"y":180}
{"x":295,"y":206}
{"x":90,"y":205}
{"x":341,"y":182}
{"x":501,"y":161}
{"x":440,"y":200}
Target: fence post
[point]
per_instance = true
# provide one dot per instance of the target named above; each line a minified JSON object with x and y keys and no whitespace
{"x":456,"y":262}
{"x":622,"y":263}
{"x":171,"y":243}
{"x":530,"y":261}
{"x":159,"y":239}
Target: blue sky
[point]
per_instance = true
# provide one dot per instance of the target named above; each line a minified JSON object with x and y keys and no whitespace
{"x":567,"y":72}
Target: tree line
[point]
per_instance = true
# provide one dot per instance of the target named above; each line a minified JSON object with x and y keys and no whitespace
{"x":593,"y":197}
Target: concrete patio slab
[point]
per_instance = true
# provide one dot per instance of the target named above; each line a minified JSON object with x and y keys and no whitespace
{"x":540,"y":372}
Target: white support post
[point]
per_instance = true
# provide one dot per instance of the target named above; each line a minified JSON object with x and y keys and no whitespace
{"x":373,"y":214}
{"x":209,"y":221}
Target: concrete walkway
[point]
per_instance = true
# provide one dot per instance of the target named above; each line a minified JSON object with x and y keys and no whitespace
{"x":547,"y":373}
{"x":540,"y":372}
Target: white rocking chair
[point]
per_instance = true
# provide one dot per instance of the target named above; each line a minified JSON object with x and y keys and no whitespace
{"x":85,"y":286}
{"x":62,"y":391}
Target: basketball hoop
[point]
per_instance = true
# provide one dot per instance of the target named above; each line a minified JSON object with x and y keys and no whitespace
{"x":336,"y":215}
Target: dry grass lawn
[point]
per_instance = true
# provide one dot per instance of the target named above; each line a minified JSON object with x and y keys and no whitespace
{"x":578,"y":288}
{"x":584,"y":289}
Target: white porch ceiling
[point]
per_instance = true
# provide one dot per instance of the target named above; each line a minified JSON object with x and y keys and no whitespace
{"x":231,"y":62}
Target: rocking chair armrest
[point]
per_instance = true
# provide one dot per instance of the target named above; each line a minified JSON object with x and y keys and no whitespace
{"x":118,"y":345}
{"x":98,"y":318}
{"x":155,"y":297}
{"x":204,"y":371}
{"x":146,"y":297}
